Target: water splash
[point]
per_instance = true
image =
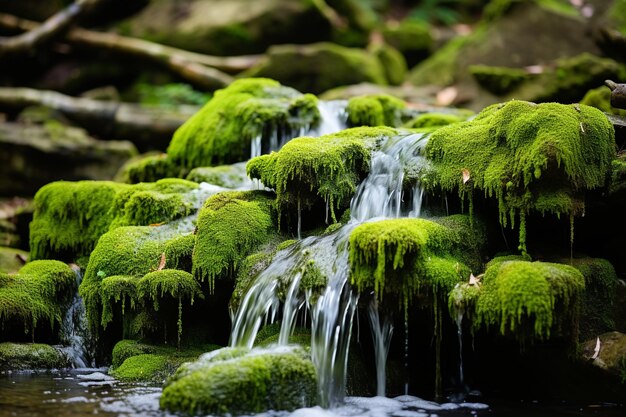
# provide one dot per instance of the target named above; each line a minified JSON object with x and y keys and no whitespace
{"x":74,"y":330}
{"x":381,"y":334}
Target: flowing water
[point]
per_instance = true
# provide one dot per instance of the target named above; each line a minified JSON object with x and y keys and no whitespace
{"x":381,"y":334}
{"x":74,"y":331}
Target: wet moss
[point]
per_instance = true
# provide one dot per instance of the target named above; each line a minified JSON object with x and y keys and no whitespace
{"x":307,"y":170}
{"x":498,"y":80}
{"x":230,"y":226}
{"x":530,"y":299}
{"x":252,"y":383}
{"x":31,"y":356}
{"x":412,"y":39}
{"x":148,"y":168}
{"x":222,"y":131}
{"x":375,"y":110}
{"x":600,"y":98}
{"x":434,"y":120}
{"x":528,"y":157}
{"x":126,"y":348}
{"x":38,"y":292}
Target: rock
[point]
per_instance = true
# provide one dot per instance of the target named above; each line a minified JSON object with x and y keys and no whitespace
{"x":11,"y":259}
{"x":30,"y":356}
{"x":227,"y":176}
{"x":318,"y":67}
{"x":235,"y":381}
{"x":612,"y":355}
{"x":412,"y":39}
{"x":229,"y":27}
{"x":35,"y":155}
{"x":95,"y":377}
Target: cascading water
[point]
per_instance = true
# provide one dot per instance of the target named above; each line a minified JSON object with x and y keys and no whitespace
{"x":459,"y":330}
{"x":381,"y":334}
{"x":332,"y":311}
{"x":74,"y":330}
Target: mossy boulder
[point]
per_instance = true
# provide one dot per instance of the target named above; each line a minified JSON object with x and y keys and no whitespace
{"x":227,"y":176}
{"x":611,"y":356}
{"x":148,"y":167}
{"x":435,"y":120}
{"x":37,"y":293}
{"x":393,"y":63}
{"x":230,"y":226}
{"x":220,"y":383}
{"x":498,"y":80}
{"x":222,"y":132}
{"x":399,"y":257}
{"x":600,"y":98}
{"x":327,"y":169}
{"x":530,"y":158}
{"x":375,"y":110}
{"x":30,"y":356}
{"x":227,"y":27}
{"x":319,"y":67}
{"x":412,"y":39}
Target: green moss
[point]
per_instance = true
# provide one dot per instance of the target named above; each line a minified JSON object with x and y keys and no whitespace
{"x":412,"y":39}
{"x":399,"y":257}
{"x":441,"y":68}
{"x":430,"y":120}
{"x":261,"y":381}
{"x":221,"y":132}
{"x":528,"y":157}
{"x":31,"y":356}
{"x":498,"y":80}
{"x":145,"y":367}
{"x":228,"y":176}
{"x":179,"y":251}
{"x":600,"y":98}
{"x":39,"y":291}
{"x":616,"y":16}
{"x":375,"y":110}
{"x":230,"y":226}
{"x":126,"y":348}
{"x":529,"y":299}
{"x":393,"y":63}
{"x":70,"y":217}
{"x":329,"y":168}
{"x":148,"y":168}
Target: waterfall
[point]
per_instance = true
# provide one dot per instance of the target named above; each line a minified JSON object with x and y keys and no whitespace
{"x":459,"y":331}
{"x":74,"y":331}
{"x":381,"y":334}
{"x":332,"y":311}
{"x":333,"y":117}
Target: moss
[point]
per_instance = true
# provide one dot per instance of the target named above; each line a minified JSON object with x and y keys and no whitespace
{"x":412,"y":39}
{"x":528,"y":157}
{"x":126,"y":348}
{"x":600,"y":98}
{"x":148,"y":168}
{"x":530,"y":299}
{"x":31,"y":356}
{"x":260,"y":381}
{"x":70,"y":217}
{"x":393,"y":63}
{"x":228,"y":176}
{"x":329,"y":168}
{"x":38,"y":292}
{"x":179,"y":251}
{"x":222,"y":131}
{"x":399,"y":257}
{"x":430,"y":120}
{"x":230,"y":226}
{"x":441,"y":68}
{"x":498,"y":80}
{"x":375,"y":110}
{"x":145,"y":367}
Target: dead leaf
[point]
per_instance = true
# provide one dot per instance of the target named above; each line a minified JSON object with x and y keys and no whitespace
{"x":534,"y":69}
{"x":156,"y":224}
{"x":447,"y":96}
{"x":162,"y":263}
{"x":474,"y":280}
{"x":466,"y":175}
{"x":596,"y":351}
{"x":582,"y":129}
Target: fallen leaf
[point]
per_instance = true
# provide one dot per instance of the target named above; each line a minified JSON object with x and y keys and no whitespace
{"x":534,"y":69}
{"x":582,"y":129}
{"x":447,"y":96}
{"x":162,"y":263}
{"x":466,"y":175}
{"x":156,"y":224}
{"x":474,"y":280}
{"x":596,"y":351}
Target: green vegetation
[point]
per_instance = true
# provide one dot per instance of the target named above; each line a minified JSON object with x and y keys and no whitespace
{"x":393,"y":63}
{"x":375,"y":110}
{"x":221,"y":132}
{"x":39,"y":291}
{"x":148,"y":168}
{"x":31,"y":356}
{"x":498,"y":80}
{"x":230,"y":226}
{"x":228,"y":176}
{"x":239,"y":383}
{"x":434,"y":120}
{"x":600,"y":98}
{"x":529,"y":157}
{"x":412,"y":39}
{"x":329,"y":168}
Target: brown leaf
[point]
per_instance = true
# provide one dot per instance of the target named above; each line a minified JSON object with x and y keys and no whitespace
{"x":156,"y":224}
{"x":162,"y":263}
{"x":466,"y":175}
{"x":596,"y":351}
{"x":447,"y":96}
{"x":474,"y":280}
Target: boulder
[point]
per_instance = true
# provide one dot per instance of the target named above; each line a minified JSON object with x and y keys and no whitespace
{"x":611,"y":355}
{"x":30,"y":356}
{"x":33,"y":156}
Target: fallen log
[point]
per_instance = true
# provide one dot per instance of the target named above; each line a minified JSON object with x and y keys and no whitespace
{"x":148,"y":128}
{"x":204,"y":71}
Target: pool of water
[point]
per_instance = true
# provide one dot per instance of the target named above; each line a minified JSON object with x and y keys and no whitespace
{"x":89,"y":392}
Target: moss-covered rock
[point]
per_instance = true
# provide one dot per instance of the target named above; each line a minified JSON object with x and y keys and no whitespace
{"x":530,"y":158}
{"x":600,"y":98}
{"x":222,"y":132}
{"x":148,"y":167}
{"x":396,"y":258}
{"x":327,"y":169}
{"x":227,"y":176}
{"x":37,"y":293}
{"x":393,"y":63}
{"x":375,"y":110}
{"x":412,"y":39}
{"x":230,"y":226}
{"x":612,"y":354}
{"x":219,"y":383}
{"x":435,"y":120}
{"x":31,"y":356}
{"x":319,"y":67}
{"x":127,"y":348}
{"x":498,"y":80}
